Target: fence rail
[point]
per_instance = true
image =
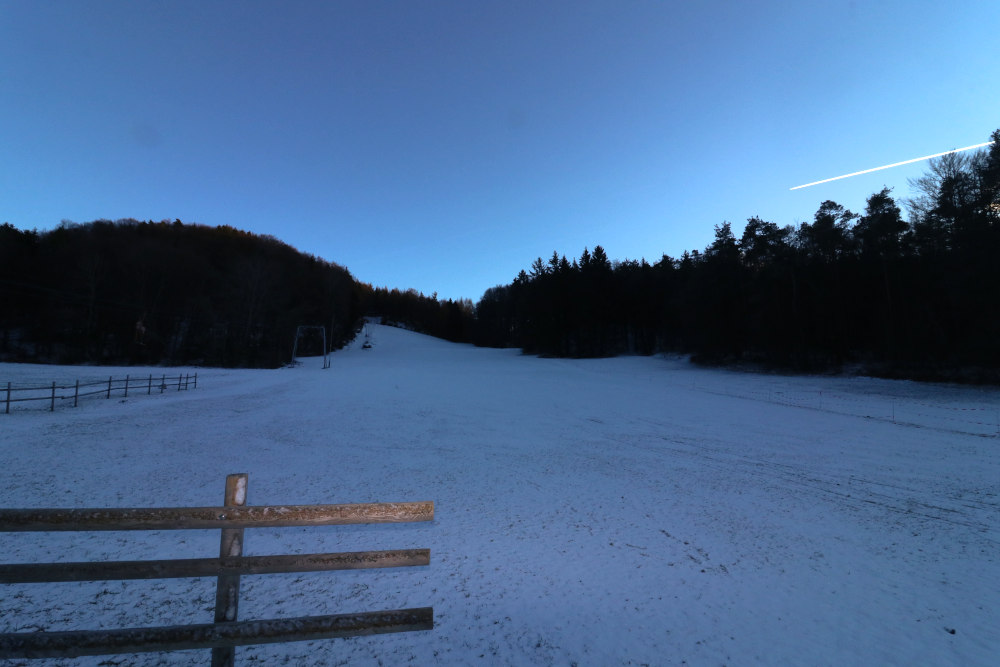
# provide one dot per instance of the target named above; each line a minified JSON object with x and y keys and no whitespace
{"x":112,"y":386}
{"x":216,"y":636}
{"x":974,"y":418}
{"x":193,"y":518}
{"x":226,"y":633}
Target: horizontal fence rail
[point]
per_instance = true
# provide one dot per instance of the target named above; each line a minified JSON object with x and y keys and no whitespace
{"x":107,"y":388}
{"x":30,"y":573}
{"x":73,"y":644}
{"x":190,"y":518}
{"x":226,"y":632}
{"x":977,"y":418}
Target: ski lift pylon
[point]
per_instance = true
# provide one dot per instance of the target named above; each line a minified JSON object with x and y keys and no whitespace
{"x":302,"y":328}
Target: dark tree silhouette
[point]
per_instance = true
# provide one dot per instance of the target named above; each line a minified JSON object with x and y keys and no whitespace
{"x":910,"y":298}
{"x":144,"y":292}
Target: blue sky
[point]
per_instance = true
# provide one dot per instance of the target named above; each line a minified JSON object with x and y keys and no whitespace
{"x":444,"y":145}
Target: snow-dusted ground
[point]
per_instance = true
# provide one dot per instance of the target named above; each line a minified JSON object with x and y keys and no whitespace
{"x":597,"y":512}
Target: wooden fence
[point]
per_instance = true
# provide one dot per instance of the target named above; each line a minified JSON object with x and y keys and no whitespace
{"x":117,"y":387}
{"x":226,"y":633}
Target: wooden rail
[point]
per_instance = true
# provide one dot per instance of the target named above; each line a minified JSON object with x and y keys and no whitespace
{"x":217,"y":636}
{"x":31,"y":573}
{"x":226,"y":633}
{"x":188,"y":518}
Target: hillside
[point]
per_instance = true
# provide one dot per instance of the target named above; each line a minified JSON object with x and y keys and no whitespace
{"x":636,"y":510}
{"x":133,"y":292}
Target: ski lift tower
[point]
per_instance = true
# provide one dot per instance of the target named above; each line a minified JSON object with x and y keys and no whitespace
{"x":304,"y":329}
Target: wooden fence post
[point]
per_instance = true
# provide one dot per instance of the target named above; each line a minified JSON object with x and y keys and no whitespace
{"x":7,"y":411}
{"x":126,"y":386}
{"x":52,"y":406}
{"x":76,"y":393}
{"x":109,"y":387}
{"x":227,"y":593}
{"x":163,"y":383}
{"x":149,"y":387}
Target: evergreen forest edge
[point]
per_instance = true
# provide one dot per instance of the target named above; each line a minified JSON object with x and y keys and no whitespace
{"x":916,"y":297}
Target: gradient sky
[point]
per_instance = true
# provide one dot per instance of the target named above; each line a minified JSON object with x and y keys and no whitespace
{"x":444,"y":145}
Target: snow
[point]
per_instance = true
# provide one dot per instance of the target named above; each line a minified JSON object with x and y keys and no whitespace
{"x":240,"y":497}
{"x":597,"y":512}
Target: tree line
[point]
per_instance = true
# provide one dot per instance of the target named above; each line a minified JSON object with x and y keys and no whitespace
{"x":132,"y":292}
{"x":914,"y":298}
{"x":409,"y":309}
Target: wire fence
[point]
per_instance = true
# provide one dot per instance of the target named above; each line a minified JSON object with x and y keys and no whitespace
{"x":968,"y":419}
{"x":118,"y":387}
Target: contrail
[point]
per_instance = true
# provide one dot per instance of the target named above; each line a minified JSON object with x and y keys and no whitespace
{"x":890,"y":166}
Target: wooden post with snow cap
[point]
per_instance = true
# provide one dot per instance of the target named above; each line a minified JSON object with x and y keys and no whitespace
{"x":227,"y":593}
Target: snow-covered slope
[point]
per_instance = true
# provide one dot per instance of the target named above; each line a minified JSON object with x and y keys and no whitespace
{"x":597,"y":512}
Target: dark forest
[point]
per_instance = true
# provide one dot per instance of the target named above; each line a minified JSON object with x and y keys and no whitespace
{"x":167,"y":292}
{"x":917,"y":298}
{"x":873,"y":291}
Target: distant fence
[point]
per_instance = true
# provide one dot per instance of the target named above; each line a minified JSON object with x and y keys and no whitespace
{"x":981,"y":420}
{"x":226,"y":633}
{"x":117,"y":387}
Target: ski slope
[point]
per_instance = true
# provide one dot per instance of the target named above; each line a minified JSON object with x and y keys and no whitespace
{"x":595,"y":512}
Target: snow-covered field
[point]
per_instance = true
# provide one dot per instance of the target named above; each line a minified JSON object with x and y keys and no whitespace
{"x":591,"y":512}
